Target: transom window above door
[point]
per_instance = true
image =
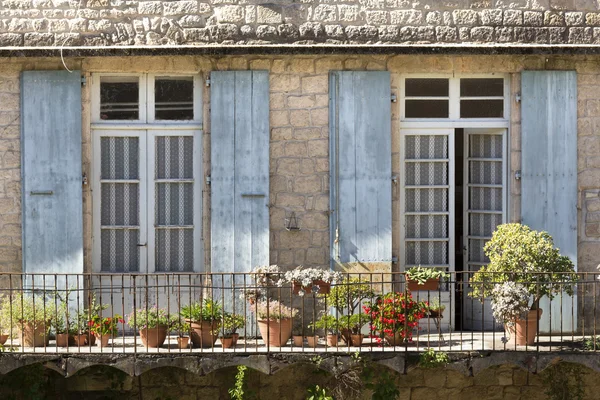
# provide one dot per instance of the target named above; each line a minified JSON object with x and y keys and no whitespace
{"x":454,"y":98}
{"x":146,"y":98}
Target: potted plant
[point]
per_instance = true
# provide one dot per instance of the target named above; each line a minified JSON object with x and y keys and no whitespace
{"x":297,"y":333}
{"x":231,"y":323}
{"x":274,"y":321}
{"x":394,"y":315}
{"x":5,"y":323}
{"x":153,"y":324}
{"x":436,"y":308}
{"x":522,"y":255}
{"x":65,"y":326}
{"x":353,"y":324}
{"x":204,"y":319}
{"x":264,"y":278}
{"x":304,"y":280}
{"x":31,"y":316}
{"x":329,"y":324}
{"x":103,"y":328}
{"x":425,"y":278}
{"x":182,"y":329}
{"x":346,"y":297}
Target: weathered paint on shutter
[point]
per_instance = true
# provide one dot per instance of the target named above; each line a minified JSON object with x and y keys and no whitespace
{"x":239,"y":170}
{"x":51,"y":172}
{"x":549,"y":171}
{"x":361,"y":168}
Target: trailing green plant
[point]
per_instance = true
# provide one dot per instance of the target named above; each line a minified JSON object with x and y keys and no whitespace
{"x":383,"y":388}
{"x":436,"y":305}
{"x":520,"y":254}
{"x":209,"y":310}
{"x":231,"y":323}
{"x":591,"y":344}
{"x":423,"y":274}
{"x":151,"y":317}
{"x":348,"y":294}
{"x":240,"y":391}
{"x":181,"y":327}
{"x":316,"y":392}
{"x":564,"y":381}
{"x":433,"y":359}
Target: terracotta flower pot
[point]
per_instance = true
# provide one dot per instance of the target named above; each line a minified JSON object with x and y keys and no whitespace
{"x":154,"y":337}
{"x":324,"y":287}
{"x":227,"y":343}
{"x":312,"y":341}
{"x":525,"y":330}
{"x":275,"y":333}
{"x":332,"y":340}
{"x":346,"y":336}
{"x":34,"y":335}
{"x":64,"y":340}
{"x":183,"y":342}
{"x":203,"y":333}
{"x":3,"y":339}
{"x":395,"y":340}
{"x":235,"y":337}
{"x":357,"y":339}
{"x":80,"y":340}
{"x":430,"y":284}
{"x":90,"y":339}
{"x":102,"y":340}
{"x":298,"y":340}
{"x":436,"y":314}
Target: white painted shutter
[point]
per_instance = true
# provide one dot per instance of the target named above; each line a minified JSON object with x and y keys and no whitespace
{"x":361,"y":167}
{"x":549,"y":171}
{"x":51,"y":172}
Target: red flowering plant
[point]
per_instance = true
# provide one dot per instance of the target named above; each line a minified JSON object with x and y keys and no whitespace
{"x":105,"y":326}
{"x":395,"y":314}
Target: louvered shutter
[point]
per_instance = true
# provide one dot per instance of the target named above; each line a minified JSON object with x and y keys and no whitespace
{"x":549,"y":171}
{"x":361,"y":168}
{"x":51,"y":172}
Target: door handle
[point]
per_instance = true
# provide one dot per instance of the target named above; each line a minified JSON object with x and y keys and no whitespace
{"x":253,"y":195}
{"x":41,"y":192}
{"x":142,"y":244}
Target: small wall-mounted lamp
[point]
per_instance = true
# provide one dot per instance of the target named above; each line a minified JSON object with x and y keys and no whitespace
{"x":291,"y":223}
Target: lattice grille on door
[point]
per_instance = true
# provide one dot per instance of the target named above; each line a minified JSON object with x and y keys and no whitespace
{"x":174,"y":203}
{"x":120,"y":204}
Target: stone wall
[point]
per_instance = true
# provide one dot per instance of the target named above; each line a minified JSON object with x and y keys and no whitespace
{"x":44,"y":23}
{"x":504,"y":382}
{"x":299,"y":159}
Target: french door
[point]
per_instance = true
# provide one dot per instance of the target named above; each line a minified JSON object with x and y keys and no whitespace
{"x":484,"y":195}
{"x":147,"y":195}
{"x":432,"y":222}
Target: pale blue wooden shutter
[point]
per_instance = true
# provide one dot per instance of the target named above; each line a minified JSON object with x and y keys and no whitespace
{"x":361,"y":167}
{"x":549,"y":170}
{"x":51,"y":172}
{"x":239,"y":170}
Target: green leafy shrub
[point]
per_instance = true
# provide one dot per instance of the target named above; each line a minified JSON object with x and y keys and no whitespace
{"x":208,"y":310}
{"x":520,"y":254}
{"x":433,"y":359}
{"x":316,"y":392}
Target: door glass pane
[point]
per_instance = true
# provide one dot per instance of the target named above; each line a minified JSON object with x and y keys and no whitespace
{"x":174,"y":98}
{"x":119,"y":204}
{"x":174,"y":203}
{"x":119,"y":98}
{"x":426,"y":87}
{"x":481,"y":87}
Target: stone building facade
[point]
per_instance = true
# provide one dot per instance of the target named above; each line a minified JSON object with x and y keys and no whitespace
{"x":299,"y":44}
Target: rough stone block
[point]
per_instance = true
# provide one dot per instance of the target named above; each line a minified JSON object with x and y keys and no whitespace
{"x":150,"y":7}
{"x":38,"y":39}
{"x":533,"y":18}
{"x":233,"y":14}
{"x":377,"y":17}
{"x":325,"y":13}
{"x":574,"y":18}
{"x":554,"y":18}
{"x":406,"y":17}
{"x":446,"y":34}
{"x":361,"y":33}
{"x":580,"y":35}
{"x":513,"y":17}
{"x":315,"y":84}
{"x":348,"y":13}
{"x":491,"y":17}
{"x":269,"y":14}
{"x":465,"y":17}
{"x":482,"y":34}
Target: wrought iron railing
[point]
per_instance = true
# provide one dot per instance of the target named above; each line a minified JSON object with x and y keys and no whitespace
{"x":249,"y":313}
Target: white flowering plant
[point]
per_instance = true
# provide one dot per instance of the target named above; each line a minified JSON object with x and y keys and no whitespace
{"x":510,"y":301}
{"x":273,"y":310}
{"x":310,"y":277}
{"x":263,"y":278}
